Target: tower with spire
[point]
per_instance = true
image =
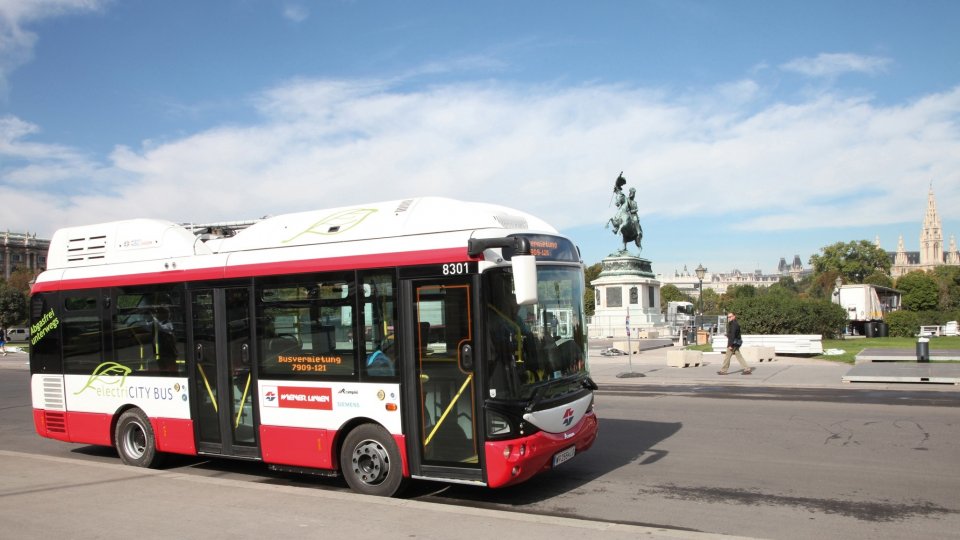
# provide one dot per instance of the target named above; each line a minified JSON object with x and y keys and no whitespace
{"x":931,"y":236}
{"x":931,"y":254}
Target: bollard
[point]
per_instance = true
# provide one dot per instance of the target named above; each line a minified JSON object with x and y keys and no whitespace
{"x":923,"y":350}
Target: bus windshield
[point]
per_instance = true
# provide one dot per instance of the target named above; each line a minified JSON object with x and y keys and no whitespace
{"x":529,"y":346}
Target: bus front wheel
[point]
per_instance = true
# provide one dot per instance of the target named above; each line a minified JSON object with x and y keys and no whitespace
{"x":135,"y":441}
{"x":370,"y":462}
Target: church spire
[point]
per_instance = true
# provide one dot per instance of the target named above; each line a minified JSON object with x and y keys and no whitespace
{"x":931,"y":237}
{"x":901,"y":258}
{"x":953,"y":256}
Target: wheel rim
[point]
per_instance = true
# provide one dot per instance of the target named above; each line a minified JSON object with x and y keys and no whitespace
{"x":371,"y":463}
{"x":134,"y":440}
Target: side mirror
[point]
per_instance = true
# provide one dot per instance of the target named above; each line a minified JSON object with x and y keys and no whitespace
{"x":525,"y":279}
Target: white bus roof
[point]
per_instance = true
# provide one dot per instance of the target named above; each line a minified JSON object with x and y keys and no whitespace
{"x":139,"y":240}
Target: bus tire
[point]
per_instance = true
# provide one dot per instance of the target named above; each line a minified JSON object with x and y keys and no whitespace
{"x":135,"y":440}
{"x":370,"y":462}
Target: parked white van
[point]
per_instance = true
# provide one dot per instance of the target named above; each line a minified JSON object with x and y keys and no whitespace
{"x":18,"y":333}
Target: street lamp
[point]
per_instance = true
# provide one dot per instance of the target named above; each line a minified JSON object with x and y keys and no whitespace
{"x":701,"y":271}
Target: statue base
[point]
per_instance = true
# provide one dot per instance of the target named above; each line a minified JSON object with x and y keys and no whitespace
{"x":626,"y":265}
{"x":627,"y":296}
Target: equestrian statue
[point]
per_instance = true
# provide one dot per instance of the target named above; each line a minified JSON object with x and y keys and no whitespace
{"x":625,"y":221}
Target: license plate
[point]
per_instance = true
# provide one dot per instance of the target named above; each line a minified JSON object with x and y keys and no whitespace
{"x":564,"y":455}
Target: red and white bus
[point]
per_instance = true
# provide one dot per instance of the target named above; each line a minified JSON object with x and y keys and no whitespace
{"x":425,"y":338}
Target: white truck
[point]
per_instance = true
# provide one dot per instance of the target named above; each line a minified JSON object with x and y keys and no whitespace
{"x":866,"y":306}
{"x":679,"y":317}
{"x":680,"y":313}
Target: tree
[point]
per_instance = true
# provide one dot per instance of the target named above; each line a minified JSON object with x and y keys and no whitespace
{"x":879,"y":278}
{"x":823,"y":285}
{"x":590,"y":273}
{"x":13,"y":306}
{"x":948,"y":281}
{"x":711,"y":302}
{"x":670,"y":293}
{"x":786,"y":283}
{"x":20,"y":280}
{"x":854,"y":261}
{"x":920,"y":291}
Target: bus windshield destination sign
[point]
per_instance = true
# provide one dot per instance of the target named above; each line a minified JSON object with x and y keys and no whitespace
{"x":548,"y":248}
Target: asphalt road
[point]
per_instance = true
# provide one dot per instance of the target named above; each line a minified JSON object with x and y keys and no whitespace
{"x":755,"y":462}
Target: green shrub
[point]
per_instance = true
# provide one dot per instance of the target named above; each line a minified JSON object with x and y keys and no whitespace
{"x":784,"y":314}
{"x":903,"y":323}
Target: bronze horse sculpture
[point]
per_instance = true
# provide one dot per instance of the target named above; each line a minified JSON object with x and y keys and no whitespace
{"x":625,"y":221}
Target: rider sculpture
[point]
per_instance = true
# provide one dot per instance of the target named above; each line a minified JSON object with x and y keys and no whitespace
{"x":625,"y":221}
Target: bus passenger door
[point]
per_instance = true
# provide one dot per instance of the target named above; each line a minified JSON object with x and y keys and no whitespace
{"x":444,"y":440}
{"x":222,"y":376}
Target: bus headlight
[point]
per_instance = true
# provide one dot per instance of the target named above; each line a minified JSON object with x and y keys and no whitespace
{"x":497,"y":424}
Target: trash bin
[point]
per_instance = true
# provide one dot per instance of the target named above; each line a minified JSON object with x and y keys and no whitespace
{"x":923,"y":350}
{"x":691,"y":337}
{"x":703,"y":337}
{"x":870,"y":329}
{"x":883,"y":329}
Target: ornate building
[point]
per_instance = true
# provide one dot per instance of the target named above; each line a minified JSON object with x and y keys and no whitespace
{"x":720,"y":282}
{"x":931,"y":252}
{"x":22,"y":251}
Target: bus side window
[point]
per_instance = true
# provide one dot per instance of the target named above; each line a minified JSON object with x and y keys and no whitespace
{"x":82,"y":333}
{"x":148,"y":329}
{"x":379,"y":316}
{"x":305,"y":326}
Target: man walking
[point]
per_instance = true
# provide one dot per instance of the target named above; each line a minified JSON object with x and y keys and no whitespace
{"x":734,"y":341}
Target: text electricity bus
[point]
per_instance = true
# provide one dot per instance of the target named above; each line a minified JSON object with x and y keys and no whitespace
{"x":425,"y":338}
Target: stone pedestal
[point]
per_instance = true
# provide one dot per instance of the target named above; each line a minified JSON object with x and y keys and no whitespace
{"x":626,"y":285}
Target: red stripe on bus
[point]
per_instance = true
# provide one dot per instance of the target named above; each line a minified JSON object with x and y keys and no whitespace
{"x":146,"y":278}
{"x":356,"y":262}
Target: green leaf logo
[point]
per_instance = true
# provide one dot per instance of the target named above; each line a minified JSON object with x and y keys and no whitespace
{"x":107,"y":373}
{"x":336,"y":223}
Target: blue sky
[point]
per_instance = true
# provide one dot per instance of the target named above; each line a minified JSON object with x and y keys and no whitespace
{"x":752,"y":130}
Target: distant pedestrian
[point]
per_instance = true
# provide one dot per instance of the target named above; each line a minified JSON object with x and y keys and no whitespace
{"x":734,"y":341}
{"x":3,"y":341}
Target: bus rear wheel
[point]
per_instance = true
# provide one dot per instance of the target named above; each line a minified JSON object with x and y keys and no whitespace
{"x":370,"y":462}
{"x":135,"y":440}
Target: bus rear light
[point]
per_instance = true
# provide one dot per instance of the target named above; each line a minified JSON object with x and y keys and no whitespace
{"x":523,"y":450}
{"x":515,"y":471}
{"x":506,"y":451}
{"x":391,"y":407}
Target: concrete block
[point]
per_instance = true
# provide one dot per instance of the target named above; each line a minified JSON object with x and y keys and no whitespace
{"x":684,"y":358}
{"x":758,"y":353}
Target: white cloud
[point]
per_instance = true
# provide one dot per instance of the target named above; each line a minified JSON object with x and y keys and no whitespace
{"x":828,"y":161}
{"x":295,"y":13}
{"x":26,"y":163}
{"x":833,"y":64}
